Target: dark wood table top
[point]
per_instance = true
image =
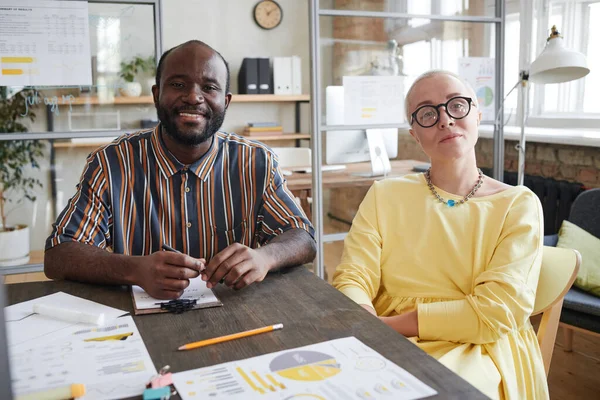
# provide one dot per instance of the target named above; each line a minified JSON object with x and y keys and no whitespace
{"x":310,"y":309}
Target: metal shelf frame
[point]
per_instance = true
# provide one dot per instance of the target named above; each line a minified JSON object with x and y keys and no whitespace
{"x":316,"y":124}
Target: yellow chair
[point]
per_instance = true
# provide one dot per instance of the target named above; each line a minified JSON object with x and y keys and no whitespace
{"x":559,"y":270}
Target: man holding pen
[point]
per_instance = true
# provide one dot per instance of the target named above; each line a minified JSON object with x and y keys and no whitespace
{"x":217,"y":198}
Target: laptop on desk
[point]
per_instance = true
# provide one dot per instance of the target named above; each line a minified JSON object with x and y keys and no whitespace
{"x":5,"y":382}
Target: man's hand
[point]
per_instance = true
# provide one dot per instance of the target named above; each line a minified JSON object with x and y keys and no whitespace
{"x":239,"y":265}
{"x":164,"y":275}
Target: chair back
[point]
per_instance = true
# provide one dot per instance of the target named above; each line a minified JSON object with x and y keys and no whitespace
{"x":558,"y":272}
{"x":290,"y":157}
{"x":585,"y":211}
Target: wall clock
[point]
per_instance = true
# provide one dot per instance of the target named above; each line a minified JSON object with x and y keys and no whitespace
{"x":268,"y":14}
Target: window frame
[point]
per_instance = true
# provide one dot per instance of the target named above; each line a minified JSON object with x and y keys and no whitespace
{"x":574,"y":32}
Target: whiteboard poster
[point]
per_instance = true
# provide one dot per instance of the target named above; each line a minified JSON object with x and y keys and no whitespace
{"x":480,"y":73}
{"x":373,"y":100}
{"x":44,"y":43}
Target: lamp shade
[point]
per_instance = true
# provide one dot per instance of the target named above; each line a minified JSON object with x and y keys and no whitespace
{"x":558,"y":64}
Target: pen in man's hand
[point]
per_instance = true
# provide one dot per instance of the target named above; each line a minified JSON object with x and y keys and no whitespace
{"x":169,"y":248}
{"x":166,"y":247}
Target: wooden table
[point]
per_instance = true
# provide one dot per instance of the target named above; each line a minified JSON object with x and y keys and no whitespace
{"x":311,"y":311}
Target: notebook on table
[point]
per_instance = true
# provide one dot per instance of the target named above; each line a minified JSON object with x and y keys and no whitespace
{"x":143,"y":303}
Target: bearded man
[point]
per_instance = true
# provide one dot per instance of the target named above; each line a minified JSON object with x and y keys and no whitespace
{"x":219,"y":199}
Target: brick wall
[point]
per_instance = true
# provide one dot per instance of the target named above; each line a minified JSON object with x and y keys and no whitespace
{"x":558,"y":161}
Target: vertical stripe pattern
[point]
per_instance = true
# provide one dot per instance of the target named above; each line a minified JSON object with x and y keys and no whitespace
{"x":134,"y":195}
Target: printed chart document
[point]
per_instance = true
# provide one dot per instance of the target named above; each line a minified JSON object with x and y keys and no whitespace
{"x":44,"y":42}
{"x":146,"y":304}
{"x":26,"y":329}
{"x":373,"y":100}
{"x":112,"y":361}
{"x":333,"y":370}
{"x":480,"y":72}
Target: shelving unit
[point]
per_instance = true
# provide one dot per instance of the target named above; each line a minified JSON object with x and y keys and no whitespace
{"x":317,"y":127}
{"x":236,"y":98}
{"x":284,"y":136}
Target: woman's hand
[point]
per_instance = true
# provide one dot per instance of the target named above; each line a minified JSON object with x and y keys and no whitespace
{"x":406,"y":324}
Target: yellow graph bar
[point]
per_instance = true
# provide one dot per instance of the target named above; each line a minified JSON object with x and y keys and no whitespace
{"x":249,"y":381}
{"x":17,"y":60}
{"x":274,"y":382}
{"x":262,"y":381}
{"x":119,"y":336}
{"x":12,"y":71}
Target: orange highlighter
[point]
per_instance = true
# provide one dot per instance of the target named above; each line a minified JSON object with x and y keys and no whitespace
{"x":226,"y":338}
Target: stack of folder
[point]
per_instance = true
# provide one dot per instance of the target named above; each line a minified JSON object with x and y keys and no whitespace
{"x":257,"y":77}
{"x":263,"y":129}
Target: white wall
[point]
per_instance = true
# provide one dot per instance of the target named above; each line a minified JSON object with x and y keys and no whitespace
{"x":229,"y":27}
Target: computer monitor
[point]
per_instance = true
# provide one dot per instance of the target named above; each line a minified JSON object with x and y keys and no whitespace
{"x":352,"y":146}
{"x":5,"y":381}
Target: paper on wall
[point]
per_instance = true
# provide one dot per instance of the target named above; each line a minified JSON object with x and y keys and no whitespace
{"x":44,"y":42}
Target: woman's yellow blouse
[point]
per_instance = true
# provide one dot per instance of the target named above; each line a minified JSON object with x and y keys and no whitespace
{"x":471,"y":270}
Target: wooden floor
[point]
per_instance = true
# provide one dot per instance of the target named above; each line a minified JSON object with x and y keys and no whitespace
{"x":576,"y":374}
{"x":573,"y":375}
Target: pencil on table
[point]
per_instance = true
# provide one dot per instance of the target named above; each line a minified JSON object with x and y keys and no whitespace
{"x":226,"y":338}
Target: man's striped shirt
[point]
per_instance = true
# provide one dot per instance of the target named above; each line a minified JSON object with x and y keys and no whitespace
{"x":134,"y":195}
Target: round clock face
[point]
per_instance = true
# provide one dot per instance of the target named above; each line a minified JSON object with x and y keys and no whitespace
{"x":268,"y":14}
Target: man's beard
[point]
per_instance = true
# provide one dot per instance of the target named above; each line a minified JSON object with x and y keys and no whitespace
{"x":213,"y":123}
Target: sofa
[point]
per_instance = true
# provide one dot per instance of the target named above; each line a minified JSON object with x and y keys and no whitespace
{"x":581,"y":310}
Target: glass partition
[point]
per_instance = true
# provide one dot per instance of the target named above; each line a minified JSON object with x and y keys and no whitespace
{"x":399,"y":39}
{"x":47,"y":132}
{"x":360,"y":46}
{"x":428,"y":7}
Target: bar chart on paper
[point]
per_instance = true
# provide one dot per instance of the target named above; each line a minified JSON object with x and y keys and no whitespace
{"x":338,"y":369}
{"x":44,"y":43}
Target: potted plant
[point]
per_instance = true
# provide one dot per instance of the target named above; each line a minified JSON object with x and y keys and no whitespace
{"x":138,"y":68}
{"x":15,"y":184}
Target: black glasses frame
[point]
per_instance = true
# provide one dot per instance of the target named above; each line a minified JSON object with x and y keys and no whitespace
{"x":437,"y":110}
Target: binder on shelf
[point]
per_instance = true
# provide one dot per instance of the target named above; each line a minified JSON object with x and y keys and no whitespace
{"x":296,"y":75}
{"x":248,"y":76}
{"x":265,"y":86}
{"x":282,"y":75}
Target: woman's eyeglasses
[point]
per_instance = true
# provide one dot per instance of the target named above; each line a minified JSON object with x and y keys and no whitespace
{"x":429,"y":115}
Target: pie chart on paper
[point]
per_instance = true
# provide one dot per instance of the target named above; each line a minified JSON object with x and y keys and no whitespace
{"x":305,"y":366}
{"x":485,"y":95}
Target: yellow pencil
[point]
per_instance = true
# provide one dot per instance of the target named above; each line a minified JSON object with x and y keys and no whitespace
{"x":226,"y":338}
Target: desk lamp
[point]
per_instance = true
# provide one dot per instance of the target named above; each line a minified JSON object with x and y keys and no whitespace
{"x":556,"y":64}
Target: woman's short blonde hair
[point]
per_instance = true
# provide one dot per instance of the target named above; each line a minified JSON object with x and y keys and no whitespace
{"x":430,"y":74}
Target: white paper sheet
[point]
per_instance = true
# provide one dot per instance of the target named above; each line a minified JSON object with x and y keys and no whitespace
{"x":25,"y":330}
{"x":112,"y":361}
{"x":333,"y":370}
{"x":373,"y":100}
{"x":44,"y":42}
{"x":481,"y":75}
{"x":196,"y":290}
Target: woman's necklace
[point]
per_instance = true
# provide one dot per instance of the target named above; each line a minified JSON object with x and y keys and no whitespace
{"x":452,"y":203}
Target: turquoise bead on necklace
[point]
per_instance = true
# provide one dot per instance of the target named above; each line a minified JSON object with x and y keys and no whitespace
{"x":452,"y":203}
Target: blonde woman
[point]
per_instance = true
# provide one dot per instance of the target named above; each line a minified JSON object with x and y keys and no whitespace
{"x":451,"y":258}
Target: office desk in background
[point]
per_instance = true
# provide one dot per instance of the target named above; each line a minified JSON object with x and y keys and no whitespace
{"x":300,"y":184}
{"x":311,"y":312}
